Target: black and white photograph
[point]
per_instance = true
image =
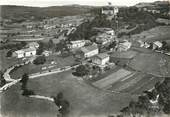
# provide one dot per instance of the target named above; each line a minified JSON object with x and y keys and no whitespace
{"x":84,"y":58}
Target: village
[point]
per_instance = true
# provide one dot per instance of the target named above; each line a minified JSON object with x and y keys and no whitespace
{"x":106,"y":65}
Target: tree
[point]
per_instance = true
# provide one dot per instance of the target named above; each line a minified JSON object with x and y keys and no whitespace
{"x":81,"y":70}
{"x":2,"y":80}
{"x":50,"y":44}
{"x":62,"y":104}
{"x":39,"y":60}
{"x":64,"y":110}
{"x":41,"y":48}
{"x":27,"y":92}
{"x":24,"y":81}
{"x":9,"y":53}
{"x":58,"y":98}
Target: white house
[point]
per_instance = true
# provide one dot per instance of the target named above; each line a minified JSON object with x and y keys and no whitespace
{"x":29,"y":52}
{"x":90,"y":51}
{"x":101,"y":59}
{"x":76,"y":44}
{"x":25,"y":52}
{"x":124,"y":46}
{"x":157,"y":44}
{"x":18,"y":54}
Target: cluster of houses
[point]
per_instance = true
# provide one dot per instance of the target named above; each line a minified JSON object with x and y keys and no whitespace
{"x":155,"y":44}
{"x":107,"y":36}
{"x":29,"y":51}
{"x":92,"y":52}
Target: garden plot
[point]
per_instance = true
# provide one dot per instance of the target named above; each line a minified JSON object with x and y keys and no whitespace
{"x":108,"y":81}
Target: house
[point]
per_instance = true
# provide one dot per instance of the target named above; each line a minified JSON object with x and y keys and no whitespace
{"x":157,"y":44}
{"x":33,"y":45}
{"x":76,"y":44}
{"x":25,"y":52}
{"x":104,"y":38}
{"x":29,"y":52}
{"x":124,"y":46}
{"x":143,"y":44}
{"x":46,"y":53}
{"x":101,"y":59}
{"x":18,"y":54}
{"x":90,"y":51}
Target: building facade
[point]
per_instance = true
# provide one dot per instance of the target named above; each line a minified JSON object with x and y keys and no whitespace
{"x":101,"y":59}
{"x":110,"y":10}
{"x":25,"y":52}
{"x":76,"y":44}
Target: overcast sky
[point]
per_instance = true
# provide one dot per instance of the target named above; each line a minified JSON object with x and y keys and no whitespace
{"x":45,"y":3}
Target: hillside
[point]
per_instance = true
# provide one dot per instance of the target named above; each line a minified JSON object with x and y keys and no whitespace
{"x":36,"y":13}
{"x":152,"y":4}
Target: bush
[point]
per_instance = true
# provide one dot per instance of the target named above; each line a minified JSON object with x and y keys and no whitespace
{"x":65,"y":107}
{"x":27,"y":92}
{"x":24,"y":81}
{"x":2,"y":80}
{"x":9,"y":53}
{"x":39,"y":60}
{"x":81,"y":70}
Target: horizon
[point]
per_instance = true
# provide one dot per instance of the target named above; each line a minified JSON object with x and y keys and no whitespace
{"x":46,"y":3}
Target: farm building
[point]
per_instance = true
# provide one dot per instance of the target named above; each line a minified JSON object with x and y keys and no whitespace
{"x":90,"y":51}
{"x":101,"y":59}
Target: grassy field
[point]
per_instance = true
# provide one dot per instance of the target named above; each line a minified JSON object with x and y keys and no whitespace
{"x":152,"y":63}
{"x":7,"y":62}
{"x":135,"y":83}
{"x":126,"y":55}
{"x":155,"y":34}
{"x":85,"y":100}
{"x":31,"y":68}
{"x":13,"y":104}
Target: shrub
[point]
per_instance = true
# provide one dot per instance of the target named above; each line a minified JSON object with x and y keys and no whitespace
{"x":39,"y":60}
{"x":27,"y":92}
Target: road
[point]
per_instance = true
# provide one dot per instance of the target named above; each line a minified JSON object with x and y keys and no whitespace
{"x":13,"y":81}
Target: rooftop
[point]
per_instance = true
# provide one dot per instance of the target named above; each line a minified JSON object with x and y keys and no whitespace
{"x":28,"y":49}
{"x":102,"y":55}
{"x":89,"y":48}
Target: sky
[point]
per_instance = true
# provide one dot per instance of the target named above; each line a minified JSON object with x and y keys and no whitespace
{"x":45,"y":3}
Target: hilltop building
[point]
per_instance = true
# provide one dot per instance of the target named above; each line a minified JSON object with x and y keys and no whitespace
{"x":110,"y":10}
